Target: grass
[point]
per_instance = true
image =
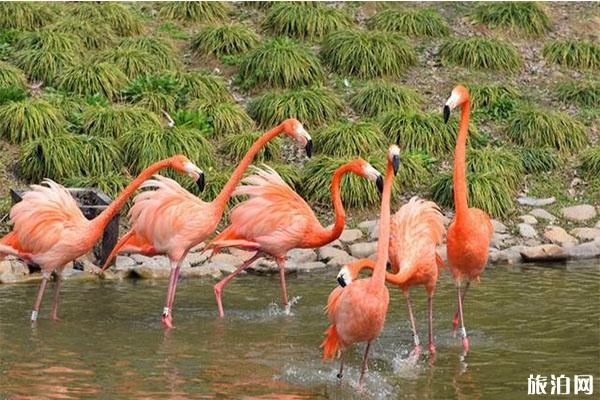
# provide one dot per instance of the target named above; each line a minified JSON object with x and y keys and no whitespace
{"x":203,"y":86}
{"x":89,"y":78}
{"x":224,"y":40}
{"x":11,"y":76}
{"x":236,"y":145}
{"x":410,"y":22}
{"x":590,"y":163}
{"x":116,"y":120}
{"x":195,"y":11}
{"x":579,"y":54}
{"x":291,"y":174}
{"x":225,"y":117}
{"x":174,"y":31}
{"x":95,"y":34}
{"x":99,"y":155}
{"x":192,"y":119}
{"x":348,"y":139}
{"x":379,"y":96}
{"x":49,"y":40}
{"x":26,"y":16}
{"x":480,"y":53}
{"x":12,"y":93}
{"x":499,"y":161}
{"x":134,"y":63}
{"x":111,"y":183}
{"x":305,"y":20}
{"x":29,"y":119}
{"x":44,"y":65}
{"x":537,"y":127}
{"x":539,"y":159}
{"x":367,"y":54}
{"x":585,"y":93}
{"x":157,"y":93}
{"x":120,"y":17}
{"x":496,"y":100}
{"x":54,"y":156}
{"x":313,"y":106}
{"x":280,"y":63}
{"x":527,"y":18}
{"x":160,"y":49}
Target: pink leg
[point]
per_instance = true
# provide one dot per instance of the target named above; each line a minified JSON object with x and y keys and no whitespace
{"x":284,"y":295}
{"x":40,"y":295}
{"x":364,"y":367}
{"x":167,"y":318}
{"x":57,"y":282}
{"x":218,"y":288}
{"x":463,"y":331}
{"x":417,"y":351}
{"x":430,"y":309}
{"x":456,"y":315}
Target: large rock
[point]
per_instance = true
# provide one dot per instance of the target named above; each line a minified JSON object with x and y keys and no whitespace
{"x":8,"y":277}
{"x":544,"y":252}
{"x":499,"y":227}
{"x":225,"y":258}
{"x":509,"y":256}
{"x":309,"y":267}
{"x":341,"y":260}
{"x":526,"y":231}
{"x":498,"y":240}
{"x":212,"y":270}
{"x":124,"y":263}
{"x":363,"y":250}
{"x":586,"y":234}
{"x":141,"y":259}
{"x":337,"y":244}
{"x":558,"y":235}
{"x":528,"y":219}
{"x":14,"y":267}
{"x":76,"y":275}
{"x":542,"y":214}
{"x":299,"y":256}
{"x":267,"y":266}
{"x":197,"y":258}
{"x":150,"y":271}
{"x":582,"y":212}
{"x":327,"y":253}
{"x":351,"y":235}
{"x":535,"y":202}
{"x":585,"y":250}
{"x":372,"y":228}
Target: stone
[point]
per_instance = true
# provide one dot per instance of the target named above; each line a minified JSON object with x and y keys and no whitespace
{"x":528,"y":219}
{"x":326,"y":253}
{"x":150,"y":271}
{"x":299,"y":256}
{"x":227,"y":259}
{"x":372,"y":228}
{"x":213,"y":270}
{"x":76,"y":275}
{"x":586,"y":234}
{"x":337,"y":244}
{"x":341,"y":260}
{"x":579,"y":213}
{"x":499,"y":227}
{"x":598,"y":224}
{"x":509,"y":256}
{"x":558,"y":235}
{"x":5,"y":266}
{"x":197,"y":258}
{"x":112,"y":275}
{"x":527,"y":231}
{"x":544,"y":252}
{"x":264,"y":266}
{"x":88,"y":266}
{"x":239,"y":253}
{"x":162,"y":262}
{"x":197,"y":248}
{"x":542,"y":214}
{"x":123,"y":262}
{"x":309,"y":267}
{"x":141,"y":259}
{"x":14,"y":267}
{"x":351,"y":235}
{"x":498,"y":240}
{"x":363,"y":250}
{"x":531,"y":242}
{"x":8,"y":277}
{"x":535,"y":202}
{"x":585,"y":250}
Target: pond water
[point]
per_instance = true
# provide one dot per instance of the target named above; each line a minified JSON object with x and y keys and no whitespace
{"x":110,"y":344}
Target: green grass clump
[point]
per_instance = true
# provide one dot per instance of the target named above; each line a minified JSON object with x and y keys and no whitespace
{"x":21,"y":121}
{"x":480,"y":53}
{"x":116,"y":120}
{"x":160,"y":49}
{"x":537,"y":127}
{"x":54,"y":156}
{"x":11,"y":76}
{"x":305,"y":20}
{"x":89,"y":78}
{"x":497,"y":160}
{"x":236,"y":145}
{"x":291,"y":174}
{"x":590,"y":163}
{"x":313,"y":106}
{"x":94,"y":34}
{"x":225,"y":117}
{"x":157,"y":93}
{"x":578,"y":54}
{"x":224,"y":40}
{"x":120,"y":17}
{"x":584,"y":93}
{"x":539,"y":159}
{"x":379,"y":96}
{"x":49,"y":40}
{"x":12,"y":93}
{"x":192,"y":119}
{"x":44,"y":65}
{"x":523,"y":17}
{"x":99,"y":155}
{"x":203,"y":86}
{"x":280,"y":63}
{"x":111,"y":183}
{"x":348,"y":139}
{"x":495,"y":100}
{"x":195,"y":11}
{"x":367,"y":54}
{"x":134,"y":63}
{"x":410,"y":22}
{"x":27,"y":16}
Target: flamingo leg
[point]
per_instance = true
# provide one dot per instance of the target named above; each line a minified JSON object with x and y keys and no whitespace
{"x":40,"y":296}
{"x":430,"y":312}
{"x":417,"y":350}
{"x":167,"y":318}
{"x":218,"y":288}
{"x":456,"y":315}
{"x":463,"y":331}
{"x":364,"y":366}
{"x":57,"y":282}
{"x":340,"y":374}
{"x":284,"y":295}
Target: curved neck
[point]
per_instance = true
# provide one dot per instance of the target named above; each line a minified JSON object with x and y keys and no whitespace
{"x":223,"y":197}
{"x":378,"y":279}
{"x":459,"y":175}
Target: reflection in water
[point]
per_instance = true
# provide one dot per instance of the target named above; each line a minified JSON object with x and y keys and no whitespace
{"x":111,"y":345}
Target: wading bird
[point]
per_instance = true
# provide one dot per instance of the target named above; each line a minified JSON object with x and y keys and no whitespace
{"x":470,"y":232}
{"x":416,"y":229}
{"x":275,"y":220}
{"x":357,"y":312}
{"x":51,"y":231}
{"x":171,"y":221}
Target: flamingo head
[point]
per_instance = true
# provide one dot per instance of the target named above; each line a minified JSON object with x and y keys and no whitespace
{"x":344,"y":277}
{"x":365,"y":170}
{"x":294,"y":128}
{"x":182,"y":164}
{"x":458,"y":97}
{"x":394,"y":157}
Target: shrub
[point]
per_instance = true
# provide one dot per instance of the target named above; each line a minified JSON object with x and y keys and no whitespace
{"x":494,"y":99}
{"x":111,"y":183}
{"x":116,"y":120}
{"x":380,"y":96}
{"x":236,"y":145}
{"x":89,"y":78}
{"x":290,"y":173}
{"x":410,"y":22}
{"x":583,"y":93}
{"x":224,"y":39}
{"x":590,"y":163}
{"x":119,"y":17}
{"x":282,"y":63}
{"x":157,"y":93}
{"x":49,"y":40}
{"x":99,"y":155}
{"x":53,"y":156}
{"x":11,"y":76}
{"x":536,"y":127}
{"x":225,"y":117}
{"x":348,"y":139}
{"x":68,"y":104}
{"x":480,"y":53}
{"x":305,"y":20}
{"x":192,"y":119}
{"x":313,"y":106}
{"x":195,"y":11}
{"x":95,"y":34}
{"x":12,"y":93}
{"x":134,"y":63}
{"x":499,"y":161}
{"x":577,"y":54}
{"x":203,"y":86}
{"x":32,"y":118}
{"x":525,"y":17}
{"x":159,"y":49}
{"x":44,"y":65}
{"x":25,"y":16}
{"x":539,"y":159}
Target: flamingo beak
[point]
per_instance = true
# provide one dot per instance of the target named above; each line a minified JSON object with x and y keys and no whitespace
{"x":379,"y":183}
{"x":446,"y":113}
{"x":309,"y":148}
{"x":396,"y":163}
{"x":200,"y":181}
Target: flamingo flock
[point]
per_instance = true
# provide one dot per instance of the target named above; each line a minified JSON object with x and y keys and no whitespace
{"x":50,"y":231}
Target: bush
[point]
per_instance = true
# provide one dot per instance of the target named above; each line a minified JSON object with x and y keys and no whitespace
{"x":305,"y":20}
{"x":224,"y":39}
{"x":11,"y":76}
{"x":495,"y":100}
{"x":313,"y":106}
{"x":54,"y":156}
{"x":225,"y":117}
{"x":49,"y":40}
{"x":236,"y":145}
{"x":583,"y":93}
{"x":95,"y":34}
{"x":576,"y":54}
{"x":99,"y":155}
{"x":44,"y":65}
{"x":116,"y":120}
{"x":26,"y":16}
{"x":120,"y":17}
{"x":29,"y":119}
{"x":134,"y":63}
{"x":203,"y":86}
{"x":282,"y":63}
{"x":291,"y":174}
{"x":348,"y":139}
{"x":157,"y":93}
{"x":12,"y":93}
{"x":160,"y":49}
{"x":195,"y":11}
{"x":499,"y":161}
{"x":378,"y":97}
{"x":590,"y":163}
{"x":537,"y":160}
{"x":89,"y":78}
{"x":536,"y":127}
{"x":524,"y":17}
{"x":410,"y":22}
{"x":192,"y":119}
{"x":111,"y":183}
{"x":480,"y":53}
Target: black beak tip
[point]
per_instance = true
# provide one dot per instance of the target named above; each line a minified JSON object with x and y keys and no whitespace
{"x":341,"y":281}
{"x":309,"y":148}
{"x":446,"y":113}
{"x":200,"y":182}
{"x":396,"y":164}
{"x":379,"y":183}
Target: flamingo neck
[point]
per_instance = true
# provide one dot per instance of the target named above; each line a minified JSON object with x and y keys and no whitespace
{"x":378,"y":278}
{"x":460,"y":174}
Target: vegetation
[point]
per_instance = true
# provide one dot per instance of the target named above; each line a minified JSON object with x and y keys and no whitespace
{"x":348,"y":139}
{"x":577,"y":54}
{"x":26,"y":16}
{"x":89,"y":78}
{"x":12,"y":93}
{"x":119,"y":17}
{"x":21,"y":121}
{"x":522,"y":17}
{"x":410,"y":22}
{"x":111,"y":183}
{"x":134,"y":63}
{"x":44,"y":65}
{"x":236,"y":145}
{"x":480,"y":53}
{"x":11,"y":76}
{"x":95,"y":34}
{"x":116,"y":120}
{"x":590,"y":163}
{"x":195,"y":11}
{"x":539,"y":159}
{"x":224,"y":39}
{"x":157,"y":93}
{"x":379,"y":96}
{"x":203,"y":85}
{"x":367,"y":54}
{"x":225,"y":117}
{"x":99,"y":155}
{"x":160,"y":50}
{"x":313,"y":106}
{"x":495,"y":100}
{"x":54,"y":156}
{"x":585,"y":93}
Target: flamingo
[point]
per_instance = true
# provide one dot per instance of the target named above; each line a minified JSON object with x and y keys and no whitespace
{"x":171,"y":221}
{"x":50,"y":230}
{"x":471,"y":230}
{"x":275,"y":220}
{"x":357,"y":312}
{"x":416,"y":229}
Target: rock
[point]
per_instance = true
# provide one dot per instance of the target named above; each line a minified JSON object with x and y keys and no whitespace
{"x":586,"y":233}
{"x":585,"y":250}
{"x":227,"y":259}
{"x":337,"y":244}
{"x":543,"y":214}
{"x":76,"y":275}
{"x":351,"y":235}
{"x":579,"y":213}
{"x":498,"y":240}
{"x":123,"y":262}
{"x":499,"y":227}
{"x":598,"y":224}
{"x":326,"y":253}
{"x":527,"y":231}
{"x":544,"y":252}
{"x":341,"y":260}
{"x":112,"y":275}
{"x":211,"y":269}
{"x":5,"y":266}
{"x":528,"y":219}
{"x":197,"y":258}
{"x":558,"y":235}
{"x":308,"y":267}
{"x":162,"y":262}
{"x":531,"y":242}
{"x":88,"y":266}
{"x":372,"y":228}
{"x":239,"y":253}
{"x":197,"y":248}
{"x":8,"y":277}
{"x":264,"y":266}
{"x":299,"y":256}
{"x":14,"y":267}
{"x":510,"y":256}
{"x":150,"y":271}
{"x":363,"y":250}
{"x":535,"y":202}
{"x":141,"y":259}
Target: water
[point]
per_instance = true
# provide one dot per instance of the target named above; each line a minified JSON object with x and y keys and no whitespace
{"x":109,"y":343}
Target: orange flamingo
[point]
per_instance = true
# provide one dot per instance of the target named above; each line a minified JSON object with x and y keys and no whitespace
{"x":357,"y":312}
{"x":470,"y":232}
{"x":171,"y":221}
{"x":416,"y":229}
{"x":50,"y":230}
{"x":275,"y":219}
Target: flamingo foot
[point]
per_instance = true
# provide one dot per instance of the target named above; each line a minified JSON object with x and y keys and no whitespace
{"x":54,"y":318}
{"x":431,"y":349}
{"x":465,"y":342}
{"x":455,"y":325}
{"x":217,"y":290}
{"x":167,"y":318}
{"x":416,"y":352}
